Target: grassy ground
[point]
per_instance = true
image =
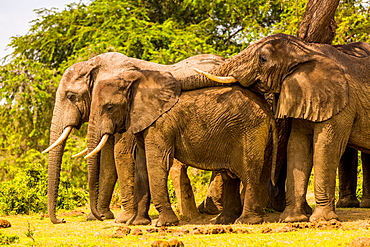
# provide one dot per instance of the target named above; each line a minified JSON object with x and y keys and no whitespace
{"x":36,"y":230}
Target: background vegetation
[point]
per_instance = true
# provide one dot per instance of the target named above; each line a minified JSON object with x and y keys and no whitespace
{"x":163,"y":31}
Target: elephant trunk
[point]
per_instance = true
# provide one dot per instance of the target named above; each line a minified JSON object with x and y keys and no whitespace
{"x":202,"y":80}
{"x":54,"y":167}
{"x":93,"y":171}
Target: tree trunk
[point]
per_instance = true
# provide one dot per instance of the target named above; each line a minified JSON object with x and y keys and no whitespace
{"x":318,"y":24}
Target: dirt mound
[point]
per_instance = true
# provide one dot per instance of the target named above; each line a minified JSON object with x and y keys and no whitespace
{"x":4,"y":223}
{"x":360,"y":242}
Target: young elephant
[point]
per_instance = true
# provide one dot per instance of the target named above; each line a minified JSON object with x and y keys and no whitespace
{"x":326,"y":93}
{"x":222,"y":128}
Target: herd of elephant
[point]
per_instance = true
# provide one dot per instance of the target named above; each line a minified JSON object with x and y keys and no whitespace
{"x":260,"y":120}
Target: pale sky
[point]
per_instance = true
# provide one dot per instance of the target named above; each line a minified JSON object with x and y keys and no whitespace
{"x":15,"y":17}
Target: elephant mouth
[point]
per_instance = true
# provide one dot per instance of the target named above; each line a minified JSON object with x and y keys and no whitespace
{"x":258,"y":86}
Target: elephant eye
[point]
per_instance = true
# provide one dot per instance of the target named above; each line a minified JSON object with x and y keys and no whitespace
{"x":262,"y":59}
{"x":72,"y":97}
{"x":108,"y":107}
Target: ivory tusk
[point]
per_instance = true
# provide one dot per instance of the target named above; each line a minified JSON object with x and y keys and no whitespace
{"x":80,"y":153}
{"x":220,"y":79}
{"x":101,"y":144}
{"x":61,"y":138}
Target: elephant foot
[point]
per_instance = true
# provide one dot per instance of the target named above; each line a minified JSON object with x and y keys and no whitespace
{"x":225,"y":219}
{"x":124,"y":216}
{"x":106,"y":214}
{"x":208,"y":208}
{"x":167,"y":218}
{"x":365,"y":203}
{"x":250,"y":219}
{"x":323,"y":214}
{"x":348,"y":202}
{"x":57,"y":221}
{"x":292,"y":215}
{"x":139,"y":220}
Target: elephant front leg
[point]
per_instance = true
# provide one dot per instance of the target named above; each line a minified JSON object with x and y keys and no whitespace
{"x":125,"y":164}
{"x":328,"y":149}
{"x":299,"y":166}
{"x":141,"y":189}
{"x":159,"y":163}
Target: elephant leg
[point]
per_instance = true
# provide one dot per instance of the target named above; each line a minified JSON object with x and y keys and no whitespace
{"x":299,"y":166}
{"x":252,"y":210}
{"x":250,"y":174}
{"x":184,"y":191}
{"x":365,"y":202}
{"x":347,"y":173}
{"x":328,"y":149}
{"x":141,"y":188}
{"x":214,"y":199}
{"x":159,"y":159}
{"x":107,"y":180}
{"x":125,"y":165}
{"x":232,"y":202}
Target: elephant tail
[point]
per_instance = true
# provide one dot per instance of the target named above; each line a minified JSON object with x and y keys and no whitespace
{"x":275,"y":142}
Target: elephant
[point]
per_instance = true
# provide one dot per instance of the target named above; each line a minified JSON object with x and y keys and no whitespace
{"x":347,"y":171}
{"x":72,"y":108}
{"x":222,"y":128}
{"x":325,"y":93}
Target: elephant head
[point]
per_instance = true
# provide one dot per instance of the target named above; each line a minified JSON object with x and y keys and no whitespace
{"x":142,"y":96}
{"x":311,"y":83}
{"x":71,"y":110}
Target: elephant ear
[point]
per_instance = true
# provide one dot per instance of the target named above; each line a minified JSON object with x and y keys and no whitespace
{"x":152,"y":94}
{"x":316,"y":90}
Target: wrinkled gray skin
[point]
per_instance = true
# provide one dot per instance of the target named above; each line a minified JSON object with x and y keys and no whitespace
{"x":347,"y":171}
{"x":325,"y":92}
{"x":72,"y":108}
{"x":223,"y":128}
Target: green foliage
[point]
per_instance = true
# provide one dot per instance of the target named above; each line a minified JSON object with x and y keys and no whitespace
{"x":8,"y":239}
{"x":159,"y":31}
{"x":353,"y":20}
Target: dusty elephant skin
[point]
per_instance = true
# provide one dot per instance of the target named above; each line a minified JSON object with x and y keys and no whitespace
{"x":72,"y":108}
{"x":221,"y":128}
{"x":347,"y":171}
{"x":326,"y":93}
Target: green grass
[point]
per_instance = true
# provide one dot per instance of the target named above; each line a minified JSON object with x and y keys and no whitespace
{"x":39,"y":231}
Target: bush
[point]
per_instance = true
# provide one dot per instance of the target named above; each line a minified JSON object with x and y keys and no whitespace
{"x":25,"y":189}
{"x":10,"y":239}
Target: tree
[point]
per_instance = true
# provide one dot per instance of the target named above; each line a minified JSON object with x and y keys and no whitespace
{"x":318,"y":24}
